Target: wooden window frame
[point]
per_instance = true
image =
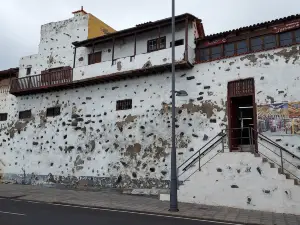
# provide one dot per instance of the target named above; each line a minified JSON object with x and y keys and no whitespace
{"x":248,"y":43}
{"x":28,"y":71}
{"x":53,"y":111}
{"x":159,"y":42}
{"x":178,"y":42}
{"x":124,"y":104}
{"x":26,"y":114}
{"x":3,"y":116}
{"x":94,"y":58}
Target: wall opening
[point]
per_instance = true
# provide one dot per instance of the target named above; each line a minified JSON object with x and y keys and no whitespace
{"x":242,"y":115}
{"x":25,"y":114}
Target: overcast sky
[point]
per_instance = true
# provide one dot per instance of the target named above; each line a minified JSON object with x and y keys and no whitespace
{"x":20,"y":20}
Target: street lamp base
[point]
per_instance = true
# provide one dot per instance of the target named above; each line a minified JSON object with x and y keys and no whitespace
{"x":173,"y":210}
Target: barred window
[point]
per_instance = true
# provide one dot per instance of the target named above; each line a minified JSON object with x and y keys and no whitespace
{"x":54,"y":111}
{"x":25,"y":114}
{"x":124,"y":104}
{"x":3,"y":116}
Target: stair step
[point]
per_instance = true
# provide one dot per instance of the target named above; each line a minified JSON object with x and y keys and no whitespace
{"x":256,"y":154}
{"x":264,"y":159}
{"x":288,"y":176}
{"x":296,"y":182}
{"x":280,"y":170}
{"x":272,"y":165}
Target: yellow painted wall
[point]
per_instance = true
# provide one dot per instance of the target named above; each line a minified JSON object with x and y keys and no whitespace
{"x":97,"y":27}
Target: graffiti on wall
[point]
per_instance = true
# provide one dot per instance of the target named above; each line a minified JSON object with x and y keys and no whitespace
{"x":279,"y":118}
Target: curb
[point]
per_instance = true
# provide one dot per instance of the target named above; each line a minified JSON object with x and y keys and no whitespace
{"x":19,"y":197}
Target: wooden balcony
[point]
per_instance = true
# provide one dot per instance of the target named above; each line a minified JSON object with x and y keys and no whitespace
{"x":46,"y":81}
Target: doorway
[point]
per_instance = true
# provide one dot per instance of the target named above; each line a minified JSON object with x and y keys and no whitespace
{"x":242,"y":115}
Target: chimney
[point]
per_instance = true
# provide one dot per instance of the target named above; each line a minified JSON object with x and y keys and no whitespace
{"x":80,"y":12}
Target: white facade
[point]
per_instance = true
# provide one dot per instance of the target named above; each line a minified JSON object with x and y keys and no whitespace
{"x":91,"y":140}
{"x":124,"y":58}
{"x":55,"y":48}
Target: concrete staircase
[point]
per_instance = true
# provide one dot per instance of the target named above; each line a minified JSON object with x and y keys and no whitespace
{"x":242,"y":180}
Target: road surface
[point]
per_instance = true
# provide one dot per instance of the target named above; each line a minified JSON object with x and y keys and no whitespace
{"x":14,"y":212}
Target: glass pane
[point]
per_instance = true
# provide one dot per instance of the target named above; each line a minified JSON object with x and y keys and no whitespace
{"x":204,"y":54}
{"x":229,"y":49}
{"x":256,"y":44}
{"x":216,"y":52}
{"x":270,"y":41}
{"x":286,"y":39}
{"x":297,"y":34}
{"x":242,"y":47}
{"x":162,"y":42}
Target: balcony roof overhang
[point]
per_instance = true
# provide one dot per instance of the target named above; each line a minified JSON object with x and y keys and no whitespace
{"x":107,"y":78}
{"x":134,"y":30}
{"x":12,"y":72}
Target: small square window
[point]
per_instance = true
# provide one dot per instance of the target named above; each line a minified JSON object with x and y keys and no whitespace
{"x":286,"y":39}
{"x":124,"y":104}
{"x":241,"y":47}
{"x":54,"y":111}
{"x":204,"y":54}
{"x":152,"y":45}
{"x":3,"y":116}
{"x":28,"y":70}
{"x":229,"y":49}
{"x":94,"y":58}
{"x":297,"y":35}
{"x":25,"y":114}
{"x":256,"y":44}
{"x":270,"y":41}
{"x":216,"y":52}
{"x":177,"y":42}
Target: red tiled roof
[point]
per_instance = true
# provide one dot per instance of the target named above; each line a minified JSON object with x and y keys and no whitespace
{"x":267,"y":23}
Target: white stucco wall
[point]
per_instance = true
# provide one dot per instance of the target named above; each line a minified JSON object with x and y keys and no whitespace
{"x":241,"y":180}
{"x":55,"y":48}
{"x":124,"y":49}
{"x":131,"y":148}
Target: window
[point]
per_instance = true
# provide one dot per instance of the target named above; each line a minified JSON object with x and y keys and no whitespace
{"x":297,"y":35}
{"x":3,"y":116}
{"x":241,"y":47}
{"x":229,"y":49}
{"x":94,"y":58}
{"x":25,"y":114}
{"x":256,"y":44}
{"x":28,"y":70}
{"x":286,"y":39}
{"x":124,"y":104}
{"x":269,"y":41}
{"x":177,"y":42}
{"x":156,"y":44}
{"x":204,"y":54}
{"x":54,"y":111}
{"x":216,"y":52}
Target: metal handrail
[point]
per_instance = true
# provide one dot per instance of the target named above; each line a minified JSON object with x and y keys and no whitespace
{"x":200,"y":150}
{"x":280,"y":148}
{"x":202,"y":154}
{"x":277,"y":145}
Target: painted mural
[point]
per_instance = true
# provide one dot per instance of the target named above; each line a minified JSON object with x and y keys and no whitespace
{"x":279,"y":118}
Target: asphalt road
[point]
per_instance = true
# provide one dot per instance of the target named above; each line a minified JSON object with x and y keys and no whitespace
{"x":27,"y":213}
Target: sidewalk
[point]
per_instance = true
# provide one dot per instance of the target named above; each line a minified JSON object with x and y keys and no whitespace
{"x":115,"y":200}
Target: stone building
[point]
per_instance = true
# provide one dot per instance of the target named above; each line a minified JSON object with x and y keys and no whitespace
{"x":95,"y":109}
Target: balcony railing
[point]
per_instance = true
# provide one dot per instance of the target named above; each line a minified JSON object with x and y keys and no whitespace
{"x":42,"y":81}
{"x":4,"y":89}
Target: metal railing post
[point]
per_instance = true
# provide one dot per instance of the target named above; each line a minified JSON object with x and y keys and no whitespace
{"x":282,"y":170}
{"x":222,"y":142}
{"x":199,"y":161}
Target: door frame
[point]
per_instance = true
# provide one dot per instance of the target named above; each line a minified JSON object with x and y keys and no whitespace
{"x":241,"y":93}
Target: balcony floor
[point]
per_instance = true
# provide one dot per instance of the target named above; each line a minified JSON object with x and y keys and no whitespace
{"x":106,"y":78}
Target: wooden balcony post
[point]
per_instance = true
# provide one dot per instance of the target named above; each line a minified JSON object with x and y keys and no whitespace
{"x":186,"y":57}
{"x":113,"y":52}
